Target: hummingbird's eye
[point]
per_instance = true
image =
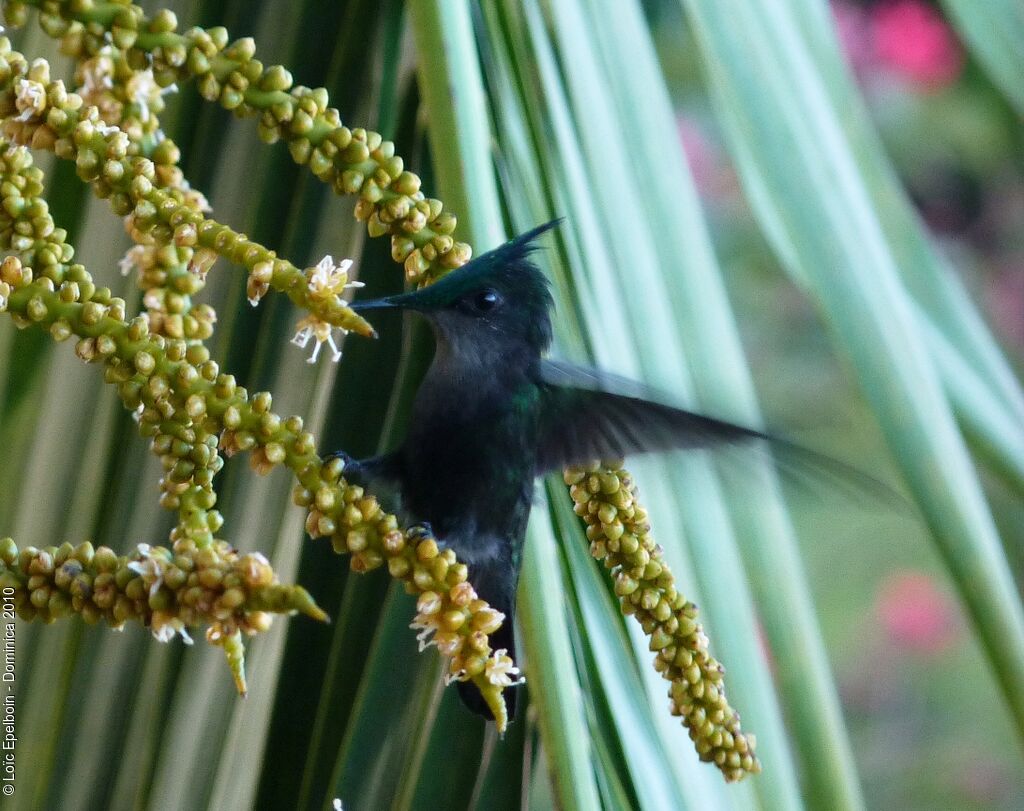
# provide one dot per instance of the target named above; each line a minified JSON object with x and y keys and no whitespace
{"x":486,"y":300}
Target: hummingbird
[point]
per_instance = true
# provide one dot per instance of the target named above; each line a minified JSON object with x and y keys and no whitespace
{"x":492,"y":414}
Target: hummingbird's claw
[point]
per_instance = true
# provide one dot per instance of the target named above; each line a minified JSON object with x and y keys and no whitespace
{"x":422,"y":531}
{"x":351,"y":467}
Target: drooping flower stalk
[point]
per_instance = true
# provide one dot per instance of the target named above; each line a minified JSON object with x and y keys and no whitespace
{"x":620,"y":536}
{"x":167,"y":590}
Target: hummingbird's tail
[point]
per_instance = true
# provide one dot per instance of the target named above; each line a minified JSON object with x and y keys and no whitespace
{"x":494,"y":585}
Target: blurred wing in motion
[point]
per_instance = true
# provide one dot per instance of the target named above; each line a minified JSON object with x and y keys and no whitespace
{"x":586,"y":415}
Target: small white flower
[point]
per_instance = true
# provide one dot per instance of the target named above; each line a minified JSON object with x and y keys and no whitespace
{"x":142,"y":90}
{"x":312,"y":327}
{"x":192,"y":196}
{"x":458,"y":675}
{"x":429,"y":603}
{"x":328,"y":279}
{"x":29,"y":98}
{"x":96,"y":80}
{"x":500,"y":670}
{"x":202,"y":260}
{"x":336,"y":805}
{"x":106,"y":129}
{"x":132,"y":258}
{"x":165,"y":628}
{"x":144,"y":550}
{"x":427,"y":625}
{"x":448,"y":643}
{"x":137,"y":415}
{"x":150,"y":568}
{"x":119,"y":141}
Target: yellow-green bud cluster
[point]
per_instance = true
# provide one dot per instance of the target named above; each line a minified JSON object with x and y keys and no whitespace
{"x":181,"y":399}
{"x":190,"y":460}
{"x":352,"y":161}
{"x":27,"y":228}
{"x":172,"y":272}
{"x":619,"y":533}
{"x":166,"y":590}
{"x":126,"y":97}
{"x":149,"y":191}
{"x":25,"y":222}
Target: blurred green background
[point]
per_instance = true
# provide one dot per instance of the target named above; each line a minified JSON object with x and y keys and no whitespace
{"x":928,"y":728}
{"x":514,"y":112}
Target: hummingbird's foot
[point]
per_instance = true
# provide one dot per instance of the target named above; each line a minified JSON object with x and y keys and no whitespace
{"x":422,"y":531}
{"x":344,"y":457}
{"x":352,"y":467}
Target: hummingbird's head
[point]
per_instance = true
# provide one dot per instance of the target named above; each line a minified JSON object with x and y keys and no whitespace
{"x":500,"y":299}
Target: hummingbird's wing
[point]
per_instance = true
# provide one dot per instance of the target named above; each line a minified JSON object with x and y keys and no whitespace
{"x":587,"y":415}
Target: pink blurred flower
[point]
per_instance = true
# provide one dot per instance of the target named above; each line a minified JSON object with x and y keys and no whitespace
{"x":1004,"y":295}
{"x":911,"y":38}
{"x":852,"y":27}
{"x":983,"y":782}
{"x":711,"y":175}
{"x":916,"y":614}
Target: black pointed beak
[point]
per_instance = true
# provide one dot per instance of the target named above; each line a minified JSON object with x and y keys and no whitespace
{"x":404,"y":301}
{"x":374,"y":304}
{"x":413,"y":300}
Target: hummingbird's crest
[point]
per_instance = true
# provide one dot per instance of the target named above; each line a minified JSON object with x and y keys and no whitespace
{"x":513,"y":253}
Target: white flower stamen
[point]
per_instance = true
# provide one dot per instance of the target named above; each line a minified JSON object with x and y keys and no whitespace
{"x":312,"y":327}
{"x":96,"y":78}
{"x":29,"y":98}
{"x":142,"y":90}
{"x":501,"y":671}
{"x":427,"y":626}
{"x":328,"y":279}
{"x":458,"y":675}
{"x":166,"y":627}
{"x":132,"y":258}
